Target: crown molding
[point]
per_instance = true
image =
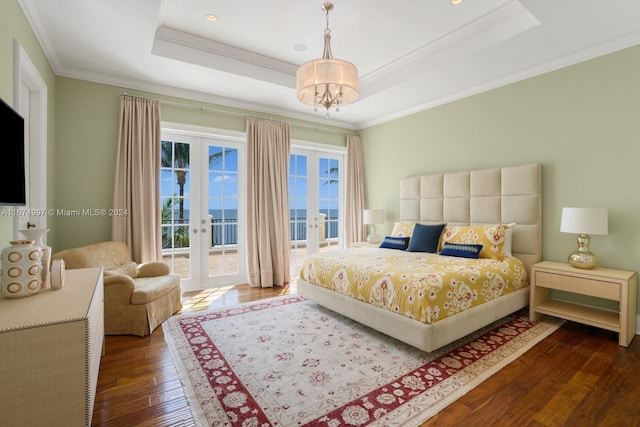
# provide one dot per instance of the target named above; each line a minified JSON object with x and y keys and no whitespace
{"x":190,"y":95}
{"x":495,"y":27}
{"x":613,"y":45}
{"x":33,"y":15}
{"x":181,"y":46}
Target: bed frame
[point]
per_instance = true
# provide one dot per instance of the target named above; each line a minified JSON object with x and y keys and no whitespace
{"x":500,"y":195}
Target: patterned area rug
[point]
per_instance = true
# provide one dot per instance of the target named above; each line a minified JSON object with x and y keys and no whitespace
{"x":289,"y":362}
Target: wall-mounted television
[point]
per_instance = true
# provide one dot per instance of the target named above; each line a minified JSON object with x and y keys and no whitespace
{"x":13,"y":187}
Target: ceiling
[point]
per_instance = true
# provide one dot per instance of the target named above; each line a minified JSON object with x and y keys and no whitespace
{"x":411,"y":54}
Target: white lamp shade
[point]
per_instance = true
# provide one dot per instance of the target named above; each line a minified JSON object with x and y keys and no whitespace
{"x":584,"y":221}
{"x":373,"y":216}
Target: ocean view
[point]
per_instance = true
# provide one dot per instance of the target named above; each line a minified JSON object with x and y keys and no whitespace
{"x":224,"y":226}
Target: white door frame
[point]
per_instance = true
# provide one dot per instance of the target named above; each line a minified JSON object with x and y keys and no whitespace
{"x":315,"y":151}
{"x":198,"y":135}
{"x":30,"y":100}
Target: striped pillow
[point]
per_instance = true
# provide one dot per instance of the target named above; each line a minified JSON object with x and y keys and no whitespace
{"x":391,"y":242}
{"x":464,"y":250}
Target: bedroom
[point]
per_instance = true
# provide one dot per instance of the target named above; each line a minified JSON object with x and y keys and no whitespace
{"x":579,"y":122}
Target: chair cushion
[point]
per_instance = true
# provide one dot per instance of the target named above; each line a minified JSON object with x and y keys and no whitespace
{"x":149,"y":288}
{"x":129,"y":269}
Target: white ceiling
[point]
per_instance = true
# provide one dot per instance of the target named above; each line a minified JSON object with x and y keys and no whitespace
{"x":411,"y":54}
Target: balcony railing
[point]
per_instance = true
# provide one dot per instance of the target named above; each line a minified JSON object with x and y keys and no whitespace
{"x":225,"y":233}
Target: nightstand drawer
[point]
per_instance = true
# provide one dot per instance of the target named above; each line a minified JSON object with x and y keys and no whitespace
{"x":579,"y":285}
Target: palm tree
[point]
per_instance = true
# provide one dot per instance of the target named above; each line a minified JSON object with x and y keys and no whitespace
{"x":176,"y":155}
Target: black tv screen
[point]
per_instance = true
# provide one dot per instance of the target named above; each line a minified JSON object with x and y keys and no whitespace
{"x":13,"y":188}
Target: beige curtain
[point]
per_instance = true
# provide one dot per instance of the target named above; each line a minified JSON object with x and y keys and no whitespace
{"x":354,"y":228}
{"x":268,"y":233}
{"x":136,"y":190}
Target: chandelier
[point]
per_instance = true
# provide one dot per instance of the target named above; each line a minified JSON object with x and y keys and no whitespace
{"x":327,"y":82}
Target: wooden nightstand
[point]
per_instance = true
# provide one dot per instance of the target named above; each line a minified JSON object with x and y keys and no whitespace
{"x":604,"y":283}
{"x":365,"y":245}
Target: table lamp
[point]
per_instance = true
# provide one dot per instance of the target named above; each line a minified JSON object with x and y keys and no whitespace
{"x":373,"y":217}
{"x":584,"y":221}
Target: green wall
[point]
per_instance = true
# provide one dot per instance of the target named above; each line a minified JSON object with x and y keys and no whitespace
{"x":582,"y":123}
{"x":13,"y":26}
{"x":87,"y":134}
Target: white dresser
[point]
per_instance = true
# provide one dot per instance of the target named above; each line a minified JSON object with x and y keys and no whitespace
{"x":50,"y":348}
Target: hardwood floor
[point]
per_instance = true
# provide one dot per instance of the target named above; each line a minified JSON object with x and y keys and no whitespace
{"x":578,"y":376}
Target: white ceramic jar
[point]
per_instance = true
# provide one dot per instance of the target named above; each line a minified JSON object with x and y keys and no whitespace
{"x":37,"y":235}
{"x":21,"y":269}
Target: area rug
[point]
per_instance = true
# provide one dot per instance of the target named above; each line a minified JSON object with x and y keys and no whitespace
{"x":289,"y":362}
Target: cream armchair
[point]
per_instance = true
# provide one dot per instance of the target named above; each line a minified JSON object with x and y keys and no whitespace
{"x":137,"y":298}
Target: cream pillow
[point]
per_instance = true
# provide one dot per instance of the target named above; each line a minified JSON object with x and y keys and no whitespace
{"x":403,"y":229}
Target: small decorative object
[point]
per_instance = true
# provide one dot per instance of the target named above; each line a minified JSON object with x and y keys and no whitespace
{"x":21,"y":269}
{"x":37,"y":235}
{"x":373,"y":217}
{"x":584,"y":221}
{"x":57,"y":274}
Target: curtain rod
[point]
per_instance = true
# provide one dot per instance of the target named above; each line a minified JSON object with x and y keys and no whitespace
{"x":233,"y":113}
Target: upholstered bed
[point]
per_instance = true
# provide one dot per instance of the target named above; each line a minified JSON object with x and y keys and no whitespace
{"x":503,"y":199}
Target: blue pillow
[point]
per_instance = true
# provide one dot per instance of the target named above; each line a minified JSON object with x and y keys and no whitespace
{"x":425,"y":238}
{"x":391,"y":242}
{"x":464,"y":250}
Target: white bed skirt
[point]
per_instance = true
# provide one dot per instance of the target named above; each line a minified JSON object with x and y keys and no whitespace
{"x":415,"y":333}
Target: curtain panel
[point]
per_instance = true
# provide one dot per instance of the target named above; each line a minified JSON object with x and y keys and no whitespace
{"x":268,"y":216}
{"x":354,"y":227}
{"x":137,"y":179}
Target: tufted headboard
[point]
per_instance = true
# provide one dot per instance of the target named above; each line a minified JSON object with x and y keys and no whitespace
{"x":490,"y":196}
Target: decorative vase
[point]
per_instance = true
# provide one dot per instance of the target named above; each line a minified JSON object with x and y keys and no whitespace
{"x":21,"y":269}
{"x":37,"y":235}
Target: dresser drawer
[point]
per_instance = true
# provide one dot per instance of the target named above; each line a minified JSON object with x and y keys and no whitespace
{"x":578,"y":285}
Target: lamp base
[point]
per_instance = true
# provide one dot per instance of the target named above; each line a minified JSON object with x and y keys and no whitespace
{"x":583,"y":257}
{"x":586,"y":260}
{"x":373,"y":237}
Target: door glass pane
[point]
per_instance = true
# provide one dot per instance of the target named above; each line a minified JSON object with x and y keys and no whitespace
{"x":298,"y":207}
{"x":223,"y":211}
{"x":174,"y":204}
{"x":329,"y":203}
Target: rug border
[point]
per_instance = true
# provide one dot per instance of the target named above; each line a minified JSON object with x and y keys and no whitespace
{"x":550,"y":323}
{"x":198,"y":414}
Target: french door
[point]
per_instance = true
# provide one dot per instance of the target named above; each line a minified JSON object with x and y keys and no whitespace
{"x":202,"y":202}
{"x":316,"y":195}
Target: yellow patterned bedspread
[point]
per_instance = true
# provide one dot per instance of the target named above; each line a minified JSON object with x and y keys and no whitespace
{"x":421,"y":286}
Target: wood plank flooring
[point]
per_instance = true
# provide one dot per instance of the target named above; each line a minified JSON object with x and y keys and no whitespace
{"x":578,"y":376}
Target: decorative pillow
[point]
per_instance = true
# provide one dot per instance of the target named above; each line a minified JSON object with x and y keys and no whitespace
{"x":506,"y":249}
{"x":129,"y":269}
{"x":491,"y":237}
{"x":464,"y":250}
{"x":391,"y":242}
{"x":425,"y":238}
{"x":402,"y":229}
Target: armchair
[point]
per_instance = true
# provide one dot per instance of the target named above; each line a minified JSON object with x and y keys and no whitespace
{"x":137,"y":298}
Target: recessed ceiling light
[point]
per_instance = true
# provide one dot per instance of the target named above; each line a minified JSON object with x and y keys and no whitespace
{"x":211,"y":17}
{"x":454,"y":2}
